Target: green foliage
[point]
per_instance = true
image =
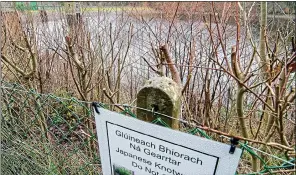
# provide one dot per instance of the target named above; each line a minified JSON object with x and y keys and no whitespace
{"x":122,"y":171}
{"x":20,"y":6}
{"x":63,"y":112}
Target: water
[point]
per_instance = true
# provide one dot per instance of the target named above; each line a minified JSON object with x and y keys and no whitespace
{"x":109,"y":41}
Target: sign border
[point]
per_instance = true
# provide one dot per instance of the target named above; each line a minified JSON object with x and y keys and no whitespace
{"x":112,"y":171}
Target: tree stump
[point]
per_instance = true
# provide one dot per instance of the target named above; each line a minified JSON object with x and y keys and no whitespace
{"x":162,"y":95}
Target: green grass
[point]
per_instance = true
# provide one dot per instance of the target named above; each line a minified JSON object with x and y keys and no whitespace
{"x":96,"y":9}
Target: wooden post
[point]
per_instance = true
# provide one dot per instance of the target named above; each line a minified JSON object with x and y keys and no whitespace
{"x":162,"y":95}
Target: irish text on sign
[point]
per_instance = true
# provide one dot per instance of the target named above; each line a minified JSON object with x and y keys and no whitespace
{"x":130,"y":146}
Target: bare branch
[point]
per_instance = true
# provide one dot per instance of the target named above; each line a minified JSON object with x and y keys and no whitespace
{"x":172,"y":67}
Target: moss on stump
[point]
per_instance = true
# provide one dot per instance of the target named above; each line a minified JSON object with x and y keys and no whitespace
{"x":162,"y":95}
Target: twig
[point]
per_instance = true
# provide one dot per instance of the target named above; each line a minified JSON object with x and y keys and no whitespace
{"x":169,"y":33}
{"x":151,"y":66}
{"x":191,"y":57}
{"x":172,"y":67}
{"x":111,"y":99}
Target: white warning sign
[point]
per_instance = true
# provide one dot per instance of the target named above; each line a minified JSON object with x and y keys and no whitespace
{"x":132,"y":147}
